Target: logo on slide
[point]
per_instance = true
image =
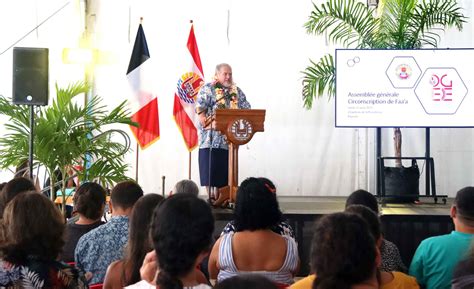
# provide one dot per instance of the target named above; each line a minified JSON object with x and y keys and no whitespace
{"x":441,"y":90}
{"x":403,"y":71}
{"x":442,"y":87}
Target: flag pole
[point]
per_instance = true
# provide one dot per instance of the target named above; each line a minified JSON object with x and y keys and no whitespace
{"x":189,"y":158}
{"x":136,"y":161}
{"x":138,"y":147}
{"x":189,"y":166}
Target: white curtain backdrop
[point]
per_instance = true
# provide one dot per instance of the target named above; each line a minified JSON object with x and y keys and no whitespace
{"x":266,"y":44}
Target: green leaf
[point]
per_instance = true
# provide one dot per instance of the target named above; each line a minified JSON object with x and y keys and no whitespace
{"x":401,"y":24}
{"x":64,"y":135}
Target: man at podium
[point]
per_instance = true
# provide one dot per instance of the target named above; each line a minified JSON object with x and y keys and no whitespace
{"x":213,"y":147}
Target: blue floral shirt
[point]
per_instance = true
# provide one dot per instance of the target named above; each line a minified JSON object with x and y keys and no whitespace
{"x":102,"y":246}
{"x":207,"y":100}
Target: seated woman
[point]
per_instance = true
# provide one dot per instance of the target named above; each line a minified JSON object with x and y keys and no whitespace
{"x":10,"y":190}
{"x":254,"y":247}
{"x":127,"y":271}
{"x":13,"y":188}
{"x":89,"y":204}
{"x":344,"y":254}
{"x":282,"y":228}
{"x":181,"y":230}
{"x":34,"y":230}
{"x":386,"y":280}
{"x":391,"y":260}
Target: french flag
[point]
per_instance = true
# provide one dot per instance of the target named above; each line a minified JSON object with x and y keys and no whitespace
{"x":144,"y":104}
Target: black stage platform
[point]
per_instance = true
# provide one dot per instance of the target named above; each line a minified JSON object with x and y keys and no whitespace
{"x":404,"y":224}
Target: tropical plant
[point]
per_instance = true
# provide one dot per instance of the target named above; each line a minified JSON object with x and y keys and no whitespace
{"x":396,"y":24}
{"x":67,"y":135}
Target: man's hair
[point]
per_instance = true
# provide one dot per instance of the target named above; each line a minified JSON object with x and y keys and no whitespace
{"x":362,"y":197}
{"x":89,"y":200}
{"x":464,"y":203}
{"x":125,"y":194}
{"x":186,"y":186}
{"x":13,"y":188}
{"x":32,"y":226}
{"x":256,"y":207}
{"x":220,"y":65}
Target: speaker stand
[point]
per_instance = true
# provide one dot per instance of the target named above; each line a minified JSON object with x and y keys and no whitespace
{"x":30,"y":148}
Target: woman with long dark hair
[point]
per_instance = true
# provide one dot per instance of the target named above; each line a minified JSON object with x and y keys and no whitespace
{"x":182,"y":236}
{"x":127,"y":271}
{"x":254,"y":247}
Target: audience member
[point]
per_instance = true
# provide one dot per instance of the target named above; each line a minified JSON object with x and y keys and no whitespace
{"x":23,"y":170}
{"x":182,"y":230}
{"x":89,"y":203}
{"x":387,"y":280}
{"x":13,"y":188}
{"x":97,"y":249}
{"x":186,"y":186}
{"x":282,"y":228}
{"x":463,"y":275}
{"x":127,"y":271}
{"x":436,"y":257}
{"x":344,"y":254}
{"x":254,"y":247}
{"x":34,"y":237}
{"x":391,"y":260}
{"x":246,"y":281}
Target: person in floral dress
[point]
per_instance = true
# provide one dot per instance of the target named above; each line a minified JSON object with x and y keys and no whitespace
{"x":33,"y":229}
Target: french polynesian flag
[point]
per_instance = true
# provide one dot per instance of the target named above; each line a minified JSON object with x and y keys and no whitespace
{"x":186,"y":93}
{"x":144,"y":104}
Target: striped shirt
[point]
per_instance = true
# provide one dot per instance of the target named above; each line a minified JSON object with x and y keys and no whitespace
{"x":284,"y":275}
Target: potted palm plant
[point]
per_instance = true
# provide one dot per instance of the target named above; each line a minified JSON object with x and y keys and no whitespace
{"x":396,"y":24}
{"x":66,"y":135}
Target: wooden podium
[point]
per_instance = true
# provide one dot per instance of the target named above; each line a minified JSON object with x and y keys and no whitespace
{"x":239,"y":126}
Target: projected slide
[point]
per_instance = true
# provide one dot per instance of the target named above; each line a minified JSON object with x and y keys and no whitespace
{"x":405,"y":88}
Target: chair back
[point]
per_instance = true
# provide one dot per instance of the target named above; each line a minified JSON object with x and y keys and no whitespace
{"x":281,"y":285}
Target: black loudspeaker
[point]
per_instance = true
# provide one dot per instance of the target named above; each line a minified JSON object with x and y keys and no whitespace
{"x":30,"y":75}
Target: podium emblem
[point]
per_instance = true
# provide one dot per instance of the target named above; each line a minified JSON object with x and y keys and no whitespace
{"x":241,"y":129}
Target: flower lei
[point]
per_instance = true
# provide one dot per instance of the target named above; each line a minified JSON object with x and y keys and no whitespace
{"x":224,"y":94}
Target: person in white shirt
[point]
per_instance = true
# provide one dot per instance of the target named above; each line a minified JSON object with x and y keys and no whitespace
{"x":181,"y":230}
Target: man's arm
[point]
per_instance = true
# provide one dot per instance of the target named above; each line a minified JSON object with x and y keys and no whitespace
{"x":201,"y":112}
